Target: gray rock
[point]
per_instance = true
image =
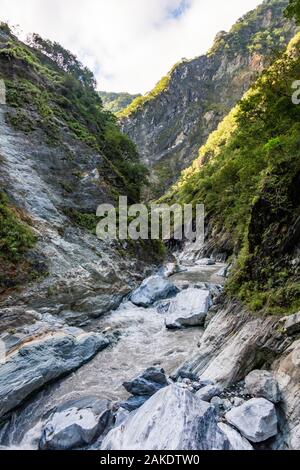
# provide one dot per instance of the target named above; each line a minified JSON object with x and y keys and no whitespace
{"x":262,"y":384}
{"x":189,"y":308}
{"x":153,"y":289}
{"x":173,"y":419}
{"x":148,"y":383}
{"x":209,"y":392}
{"x":256,"y":419}
{"x":295,"y":438}
{"x":237,"y":442}
{"x":121,"y":416}
{"x":75,"y":424}
{"x":238,"y":401}
{"x":222,"y":272}
{"x":206,"y":262}
{"x":42,"y":361}
{"x":133,"y":403}
{"x":217,"y":402}
{"x":292,"y":324}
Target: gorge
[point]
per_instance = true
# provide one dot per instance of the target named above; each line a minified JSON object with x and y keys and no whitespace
{"x":123,"y":345}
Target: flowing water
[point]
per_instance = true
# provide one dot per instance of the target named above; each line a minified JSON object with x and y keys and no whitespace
{"x":144,"y":342}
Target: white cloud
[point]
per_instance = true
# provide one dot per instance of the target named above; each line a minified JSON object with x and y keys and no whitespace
{"x":129,"y":44}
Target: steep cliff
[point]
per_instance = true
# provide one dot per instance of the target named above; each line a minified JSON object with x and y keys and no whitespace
{"x":247,"y":175}
{"x":116,"y":102}
{"x":61,"y":155}
{"x":170,"y":123}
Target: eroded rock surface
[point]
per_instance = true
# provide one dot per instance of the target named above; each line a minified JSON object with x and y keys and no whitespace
{"x":173,"y":419}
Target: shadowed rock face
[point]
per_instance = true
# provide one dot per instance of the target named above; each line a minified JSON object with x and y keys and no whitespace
{"x":44,"y":360}
{"x":75,"y":424}
{"x":170,"y":128}
{"x":182,"y":422}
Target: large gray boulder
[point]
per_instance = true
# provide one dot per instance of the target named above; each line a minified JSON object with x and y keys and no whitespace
{"x":42,"y":361}
{"x":262,"y":384}
{"x":189,"y":308}
{"x":75,"y":424}
{"x":148,"y":383}
{"x":153,"y":289}
{"x":292,"y":324}
{"x":256,"y":419}
{"x":173,"y":419}
{"x":236,"y":441}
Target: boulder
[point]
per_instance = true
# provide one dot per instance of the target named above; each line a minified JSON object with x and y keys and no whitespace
{"x":209,"y":392}
{"x":256,"y":419}
{"x":223,"y":272}
{"x":206,"y":262}
{"x":292,"y":324}
{"x":153,"y":289}
{"x":42,"y":361}
{"x":189,"y":308}
{"x":262,"y":384}
{"x":148,"y":383}
{"x":75,"y":424}
{"x":237,"y":442}
{"x":133,"y":403}
{"x":173,"y":419}
{"x":172,"y":268}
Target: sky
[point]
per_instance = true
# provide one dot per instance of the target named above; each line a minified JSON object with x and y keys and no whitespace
{"x":129,"y":44}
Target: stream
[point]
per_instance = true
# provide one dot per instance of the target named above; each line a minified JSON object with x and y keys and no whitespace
{"x":143,"y":342}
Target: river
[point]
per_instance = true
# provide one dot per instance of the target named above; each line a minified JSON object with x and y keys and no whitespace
{"x":143,"y":342}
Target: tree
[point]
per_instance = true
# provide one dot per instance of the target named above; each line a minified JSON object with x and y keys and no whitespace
{"x":64,"y":59}
{"x":293,"y":10}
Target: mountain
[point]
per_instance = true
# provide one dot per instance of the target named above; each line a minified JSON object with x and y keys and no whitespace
{"x":248,"y":175}
{"x":170,"y":123}
{"x":62,"y":155}
{"x":116,"y":102}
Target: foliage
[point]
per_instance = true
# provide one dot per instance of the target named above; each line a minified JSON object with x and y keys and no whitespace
{"x":140,"y":101}
{"x":293,"y":10}
{"x":116,"y":102}
{"x":48,"y":86}
{"x":16,"y":237}
{"x":247,"y":175}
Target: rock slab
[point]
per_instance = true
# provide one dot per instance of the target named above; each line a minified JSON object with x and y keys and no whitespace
{"x":173,"y":419}
{"x":42,"y":361}
{"x":188,"y":309}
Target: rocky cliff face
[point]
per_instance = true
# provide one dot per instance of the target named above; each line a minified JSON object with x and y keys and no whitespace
{"x":171,"y":123}
{"x":116,"y":102}
{"x":59,"y":159}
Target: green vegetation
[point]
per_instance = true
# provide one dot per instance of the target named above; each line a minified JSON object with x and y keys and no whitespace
{"x":293,"y":10}
{"x":247,"y":34}
{"x":116,"y":102}
{"x":16,"y":237}
{"x":49,"y":89}
{"x":140,"y":101}
{"x":247,"y":176}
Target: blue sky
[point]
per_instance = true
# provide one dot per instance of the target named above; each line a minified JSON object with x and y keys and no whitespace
{"x":129,"y":44}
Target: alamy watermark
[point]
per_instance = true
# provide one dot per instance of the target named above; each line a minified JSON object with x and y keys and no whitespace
{"x":296,"y":94}
{"x":2,"y":92}
{"x":2,"y":352}
{"x":153,"y":222}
